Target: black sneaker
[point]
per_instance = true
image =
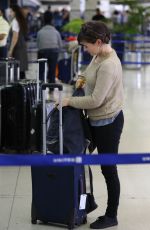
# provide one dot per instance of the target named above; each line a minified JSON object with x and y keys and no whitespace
{"x":104,"y":222}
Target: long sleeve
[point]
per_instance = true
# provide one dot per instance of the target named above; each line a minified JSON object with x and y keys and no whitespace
{"x":104,"y":89}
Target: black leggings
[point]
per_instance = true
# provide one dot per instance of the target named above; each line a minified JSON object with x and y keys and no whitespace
{"x":107,"y":140}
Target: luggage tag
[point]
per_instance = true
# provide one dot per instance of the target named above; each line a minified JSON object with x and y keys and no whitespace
{"x":82,"y":204}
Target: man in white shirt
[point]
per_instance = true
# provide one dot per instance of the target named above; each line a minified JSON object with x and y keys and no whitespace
{"x":4,"y":31}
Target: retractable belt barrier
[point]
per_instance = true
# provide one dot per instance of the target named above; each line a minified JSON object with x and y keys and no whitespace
{"x":130,"y":42}
{"x":67,"y":160}
{"x":120,"y":43}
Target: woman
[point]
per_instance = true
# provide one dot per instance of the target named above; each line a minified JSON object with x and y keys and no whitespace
{"x":103,"y":101}
{"x":18,"y":48}
{"x":4,"y":31}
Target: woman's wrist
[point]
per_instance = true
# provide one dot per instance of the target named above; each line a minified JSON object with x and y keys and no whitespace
{"x":10,"y":50}
{"x":66,"y":101}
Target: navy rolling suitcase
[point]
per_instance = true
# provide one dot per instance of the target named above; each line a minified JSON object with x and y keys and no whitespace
{"x":68,"y":66}
{"x":64,"y":67}
{"x":56,"y":195}
{"x":57,"y":192}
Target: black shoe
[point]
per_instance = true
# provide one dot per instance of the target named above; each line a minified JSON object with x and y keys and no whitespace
{"x":104,"y":222}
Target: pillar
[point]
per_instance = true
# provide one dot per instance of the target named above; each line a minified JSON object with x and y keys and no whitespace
{"x":91,"y":5}
{"x":105,"y":7}
{"x":86,"y":8}
{"x":75,"y":9}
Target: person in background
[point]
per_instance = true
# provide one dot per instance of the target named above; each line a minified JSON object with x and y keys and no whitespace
{"x":65,"y":16}
{"x":18,"y":33}
{"x":25,"y":11}
{"x":49,"y":43}
{"x":98,"y":16}
{"x":57,"y":19}
{"x":49,"y":10}
{"x":4,"y":31}
{"x":103,"y":101}
{"x":116,"y":17}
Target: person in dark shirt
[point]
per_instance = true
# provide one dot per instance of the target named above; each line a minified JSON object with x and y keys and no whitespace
{"x":98,"y":16}
{"x":18,"y":33}
{"x":48,"y":11}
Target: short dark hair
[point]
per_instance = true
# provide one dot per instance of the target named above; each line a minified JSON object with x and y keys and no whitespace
{"x":49,"y":7}
{"x":93,"y":30}
{"x":48,"y":18}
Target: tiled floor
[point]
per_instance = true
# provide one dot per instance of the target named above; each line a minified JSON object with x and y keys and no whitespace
{"x":134,"y":209}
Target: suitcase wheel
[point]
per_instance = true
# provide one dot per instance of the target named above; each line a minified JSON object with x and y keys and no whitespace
{"x":71,"y":226}
{"x":85,"y":220}
{"x":34,"y":221}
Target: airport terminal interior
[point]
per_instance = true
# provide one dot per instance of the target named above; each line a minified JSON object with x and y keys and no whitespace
{"x":134,"y":207}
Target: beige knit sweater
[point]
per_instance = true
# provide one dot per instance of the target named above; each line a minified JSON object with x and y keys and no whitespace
{"x":103,"y":88}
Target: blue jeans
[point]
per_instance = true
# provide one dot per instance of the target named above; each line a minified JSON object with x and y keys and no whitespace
{"x":107,"y":140}
{"x":52,"y":56}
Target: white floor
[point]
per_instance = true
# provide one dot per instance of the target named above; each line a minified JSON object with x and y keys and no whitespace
{"x":134,"y":209}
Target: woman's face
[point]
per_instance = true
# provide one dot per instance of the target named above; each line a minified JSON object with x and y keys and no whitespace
{"x":92,"y":49}
{"x":11,"y":13}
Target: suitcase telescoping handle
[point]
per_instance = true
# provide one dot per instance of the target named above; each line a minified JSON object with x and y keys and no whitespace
{"x":14,"y":63}
{"x":38,"y":75}
{"x":37,"y":62}
{"x":60,"y":88}
{"x":11,"y":63}
{"x":75,"y":61}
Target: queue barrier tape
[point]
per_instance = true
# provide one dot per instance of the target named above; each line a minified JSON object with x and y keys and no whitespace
{"x":129,"y":35}
{"x":131,"y":52}
{"x":64,"y":160}
{"x":135,"y":63}
{"x":130,"y":41}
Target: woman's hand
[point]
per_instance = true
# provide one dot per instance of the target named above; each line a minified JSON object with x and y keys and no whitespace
{"x":65,"y":102}
{"x":80,"y":83}
{"x":14,"y":41}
